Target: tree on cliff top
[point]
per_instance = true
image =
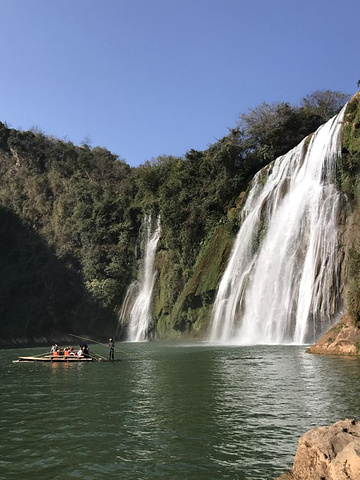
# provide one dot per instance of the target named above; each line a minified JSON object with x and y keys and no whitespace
{"x":325,"y":103}
{"x":271,"y":130}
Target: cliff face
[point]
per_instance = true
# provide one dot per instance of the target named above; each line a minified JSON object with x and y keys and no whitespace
{"x":73,"y":249}
{"x":66,"y":237}
{"x":188,"y":316}
{"x":192,"y":310}
{"x":344,"y":337}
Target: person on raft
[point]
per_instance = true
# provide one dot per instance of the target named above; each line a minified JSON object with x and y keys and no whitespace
{"x":111,"y":350}
{"x":85,"y":350}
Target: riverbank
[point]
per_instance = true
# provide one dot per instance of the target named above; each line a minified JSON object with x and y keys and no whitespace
{"x":44,"y":340}
{"x":15,"y":342}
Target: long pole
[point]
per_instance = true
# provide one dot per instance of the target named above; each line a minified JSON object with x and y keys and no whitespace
{"x":97,"y":358}
{"x":93,"y":341}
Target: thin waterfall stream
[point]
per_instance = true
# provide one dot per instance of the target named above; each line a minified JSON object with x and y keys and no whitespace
{"x":281,"y":284}
{"x":140,"y":316}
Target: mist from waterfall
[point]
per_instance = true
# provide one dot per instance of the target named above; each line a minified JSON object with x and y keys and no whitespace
{"x":140,"y":315}
{"x":281,"y":284}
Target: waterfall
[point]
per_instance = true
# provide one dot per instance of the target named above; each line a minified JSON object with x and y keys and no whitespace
{"x":281,"y":284}
{"x":140,"y":316}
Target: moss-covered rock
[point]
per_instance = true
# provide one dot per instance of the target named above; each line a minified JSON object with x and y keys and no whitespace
{"x":349,"y":183}
{"x":189,"y":315}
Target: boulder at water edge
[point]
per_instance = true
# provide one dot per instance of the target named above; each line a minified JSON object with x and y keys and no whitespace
{"x":328,"y":453}
{"x":342,"y":339}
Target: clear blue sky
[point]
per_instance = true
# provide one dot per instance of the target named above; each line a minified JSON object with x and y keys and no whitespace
{"x":150,"y":77}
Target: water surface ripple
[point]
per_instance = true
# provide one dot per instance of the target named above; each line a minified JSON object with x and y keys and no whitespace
{"x":169,"y":412}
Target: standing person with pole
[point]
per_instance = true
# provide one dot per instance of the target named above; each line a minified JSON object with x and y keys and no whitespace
{"x":111,"y":350}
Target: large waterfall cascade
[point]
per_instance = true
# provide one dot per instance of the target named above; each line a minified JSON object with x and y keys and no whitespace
{"x":140,"y":315}
{"x":281,"y":284}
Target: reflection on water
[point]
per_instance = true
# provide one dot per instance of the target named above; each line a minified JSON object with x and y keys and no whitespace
{"x":169,"y":411}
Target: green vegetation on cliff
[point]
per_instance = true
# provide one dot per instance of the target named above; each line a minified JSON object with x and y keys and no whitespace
{"x":349,"y":182}
{"x":77,"y":202}
{"x":70,"y":221}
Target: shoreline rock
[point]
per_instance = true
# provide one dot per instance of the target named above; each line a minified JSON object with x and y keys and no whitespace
{"x":328,"y":453}
{"x":342,"y":339}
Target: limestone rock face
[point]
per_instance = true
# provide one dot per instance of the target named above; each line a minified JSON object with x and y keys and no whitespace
{"x":342,"y":339}
{"x":329,"y":453}
{"x":347,"y":463}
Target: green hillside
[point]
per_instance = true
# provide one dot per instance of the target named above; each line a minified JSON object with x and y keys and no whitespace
{"x":70,"y":219}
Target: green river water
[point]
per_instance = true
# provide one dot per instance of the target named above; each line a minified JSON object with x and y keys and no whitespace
{"x":171,"y":412}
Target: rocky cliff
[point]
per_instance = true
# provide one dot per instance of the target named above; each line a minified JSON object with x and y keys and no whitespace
{"x":344,"y":337}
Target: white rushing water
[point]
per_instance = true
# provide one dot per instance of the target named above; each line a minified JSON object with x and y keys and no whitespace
{"x":140,"y":316}
{"x":281,"y":281}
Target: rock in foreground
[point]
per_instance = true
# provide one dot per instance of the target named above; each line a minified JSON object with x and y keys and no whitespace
{"x":328,"y":453}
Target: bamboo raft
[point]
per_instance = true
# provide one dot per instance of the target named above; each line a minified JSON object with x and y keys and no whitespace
{"x":66,"y":357}
{"x":59,"y":359}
